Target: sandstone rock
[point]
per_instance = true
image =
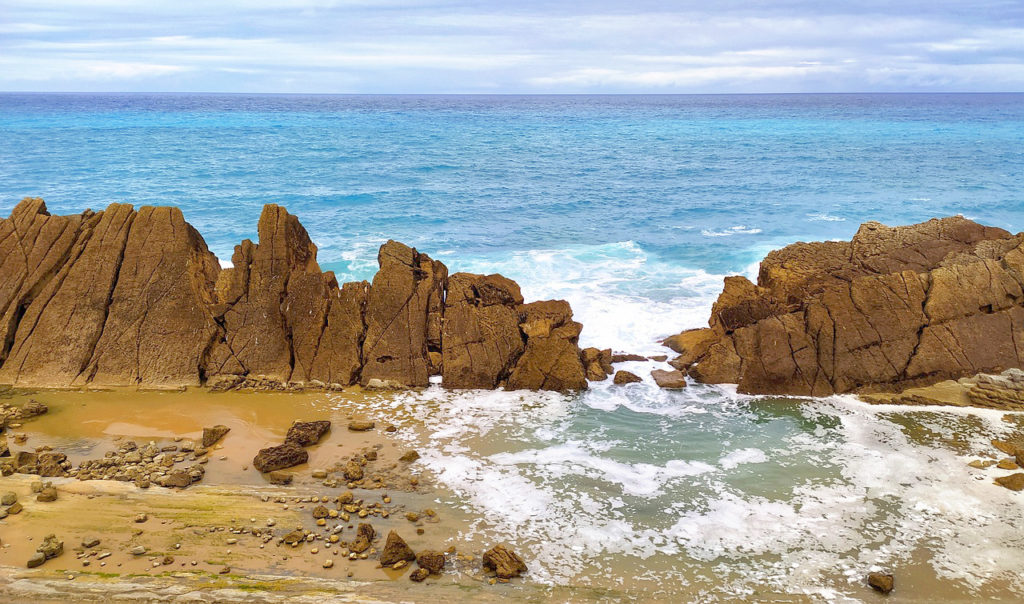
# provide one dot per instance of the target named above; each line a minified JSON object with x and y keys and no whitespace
{"x":395,"y":549}
{"x":598,"y":363}
{"x":5,"y":451}
{"x":403,"y":316}
{"x":364,"y":537}
{"x":419,"y":575}
{"x":1014,"y":482}
{"x":51,"y":547}
{"x":179,"y":479}
{"x":279,"y":478}
{"x":895,"y":307}
{"x":480,"y":335}
{"x":409,"y":456}
{"x":505,"y":563}
{"x":626,"y":357}
{"x":212,"y":435}
{"x":669,"y":379}
{"x":625,"y":377}
{"x":51,"y":463}
{"x":8,"y":498}
{"x":90,"y":542}
{"x":353,"y":471}
{"x":280,"y":457}
{"x":360,"y":425}
{"x":48,"y":494}
{"x":36,"y":559}
{"x":307,"y":433}
{"x":551,"y":360}
{"x":26,"y":461}
{"x":431,"y":560}
{"x":882,"y":582}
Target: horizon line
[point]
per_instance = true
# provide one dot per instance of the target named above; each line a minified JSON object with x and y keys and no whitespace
{"x":202,"y":92}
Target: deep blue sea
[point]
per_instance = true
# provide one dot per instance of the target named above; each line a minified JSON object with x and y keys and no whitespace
{"x":633,"y":208}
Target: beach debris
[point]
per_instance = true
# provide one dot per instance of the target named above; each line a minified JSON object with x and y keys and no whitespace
{"x":280,"y":457}
{"x":880,"y":581}
{"x":505,"y":563}
{"x":212,"y":435}
{"x":625,"y":377}
{"x":670,"y":380}
{"x":395,"y":550}
{"x":307,"y":433}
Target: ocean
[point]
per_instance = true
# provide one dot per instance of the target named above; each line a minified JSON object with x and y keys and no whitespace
{"x":633,"y":208}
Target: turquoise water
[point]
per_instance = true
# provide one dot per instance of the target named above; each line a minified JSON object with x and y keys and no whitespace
{"x":633,"y":208}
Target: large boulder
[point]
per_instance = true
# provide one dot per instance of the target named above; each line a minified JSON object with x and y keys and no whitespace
{"x":480,"y":336}
{"x":893,"y":308}
{"x":551,"y":359}
{"x":403,"y":316}
{"x":305,"y":434}
{"x":395,"y":550}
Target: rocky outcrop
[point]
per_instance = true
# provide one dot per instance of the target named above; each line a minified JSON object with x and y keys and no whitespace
{"x":893,"y":308}
{"x":126,"y":297}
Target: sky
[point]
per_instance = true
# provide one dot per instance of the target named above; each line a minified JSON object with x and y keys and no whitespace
{"x":512,"y":46}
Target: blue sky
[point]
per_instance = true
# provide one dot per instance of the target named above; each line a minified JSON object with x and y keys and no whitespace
{"x":406,"y":46}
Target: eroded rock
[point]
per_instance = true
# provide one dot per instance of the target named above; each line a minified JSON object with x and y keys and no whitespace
{"x":280,"y":457}
{"x":395,"y":550}
{"x":307,"y":433}
{"x":505,"y":563}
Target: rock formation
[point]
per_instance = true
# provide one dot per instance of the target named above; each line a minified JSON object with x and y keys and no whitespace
{"x":893,"y":308}
{"x":125,"y":297}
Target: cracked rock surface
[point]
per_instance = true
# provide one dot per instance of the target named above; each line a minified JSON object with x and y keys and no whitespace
{"x":895,"y":307}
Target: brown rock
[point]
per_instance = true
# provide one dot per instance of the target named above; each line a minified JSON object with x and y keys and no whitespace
{"x":669,"y":379}
{"x":214,"y":434}
{"x":395,"y":550}
{"x":431,"y":560}
{"x":598,"y":363}
{"x":882,"y":582}
{"x":403,"y":316}
{"x":25,"y":462}
{"x":626,"y":357}
{"x":279,"y":478}
{"x":179,"y":479}
{"x":50,"y":463}
{"x":280,"y":457}
{"x":691,"y":344}
{"x":505,"y":563}
{"x":353,"y":471}
{"x":47,"y":494}
{"x":551,"y":360}
{"x":339,"y":355}
{"x":364,"y":537}
{"x":480,"y":334}
{"x":625,"y":377}
{"x":419,"y":575}
{"x":307,"y":433}
{"x":1014,"y":482}
{"x":361,"y":425}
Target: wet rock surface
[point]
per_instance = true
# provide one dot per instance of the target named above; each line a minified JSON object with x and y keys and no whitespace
{"x":894,"y":307}
{"x":280,"y":457}
{"x":305,"y":434}
{"x":882,"y":582}
{"x":505,"y":563}
{"x":625,"y":377}
{"x":126,"y":297}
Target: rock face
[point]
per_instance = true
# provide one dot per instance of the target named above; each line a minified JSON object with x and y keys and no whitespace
{"x":893,"y":308}
{"x":126,"y":297}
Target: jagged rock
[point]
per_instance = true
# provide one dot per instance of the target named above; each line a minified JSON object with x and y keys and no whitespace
{"x":364,"y":537}
{"x":279,"y":478}
{"x":214,"y":434}
{"x":505,"y":563}
{"x":598,"y":363}
{"x":51,"y":463}
{"x":353,"y":471}
{"x":403,"y":316}
{"x":395,"y":550}
{"x":339,"y":354}
{"x":307,"y":433}
{"x":36,"y":559}
{"x":419,"y":575}
{"x":894,"y":307}
{"x":431,"y":560}
{"x":480,"y":336}
{"x":625,"y":377}
{"x":882,"y":582}
{"x":551,"y":360}
{"x":626,"y":357}
{"x":669,"y":379}
{"x":51,"y":547}
{"x":280,"y":457}
{"x":25,"y":462}
{"x":1014,"y":482}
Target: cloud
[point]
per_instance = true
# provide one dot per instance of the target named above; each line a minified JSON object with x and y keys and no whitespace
{"x":527,"y":46}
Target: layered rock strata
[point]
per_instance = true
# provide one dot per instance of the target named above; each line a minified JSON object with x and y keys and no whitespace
{"x":893,"y":308}
{"x":126,"y":297}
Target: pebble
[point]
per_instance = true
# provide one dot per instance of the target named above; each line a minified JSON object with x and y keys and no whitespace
{"x":138,"y":550}
{"x":141,"y":518}
{"x":328,"y":563}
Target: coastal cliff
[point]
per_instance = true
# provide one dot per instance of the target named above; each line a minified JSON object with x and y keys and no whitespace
{"x":126,"y":297}
{"x":891,"y":309}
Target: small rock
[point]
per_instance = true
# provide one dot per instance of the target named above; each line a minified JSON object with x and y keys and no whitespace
{"x":1007,"y":464}
{"x":622,"y":357}
{"x":670,"y":380}
{"x":36,"y":559}
{"x":395,"y":549}
{"x":15,"y":509}
{"x":624,"y":377}
{"x":280,"y":457}
{"x":431,"y":560}
{"x":214,"y":434}
{"x":409,"y":456}
{"x":882,"y":582}
{"x":328,"y":563}
{"x":138,"y":550}
{"x":319,"y":474}
{"x":47,"y":494}
{"x":90,"y":542}
{"x":353,"y":471}
{"x":982,"y":464}
{"x":504,"y":562}
{"x":307,"y":433}
{"x":8,"y":498}
{"x":280,"y":478}
{"x":419,"y":575}
{"x":141,"y":518}
{"x":361,"y":425}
